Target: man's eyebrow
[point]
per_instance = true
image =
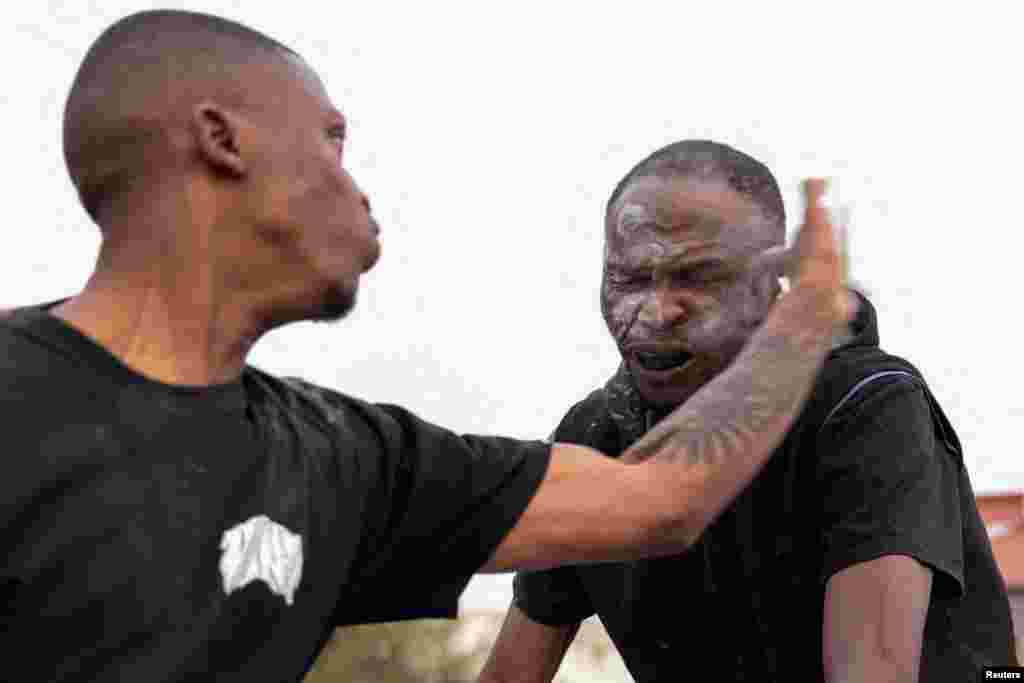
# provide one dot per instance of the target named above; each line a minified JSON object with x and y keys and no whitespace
{"x":705,"y":254}
{"x":651,"y":263}
{"x":686,"y":261}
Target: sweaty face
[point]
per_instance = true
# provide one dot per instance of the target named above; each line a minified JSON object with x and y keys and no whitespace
{"x":312,"y":211}
{"x":678,"y":293}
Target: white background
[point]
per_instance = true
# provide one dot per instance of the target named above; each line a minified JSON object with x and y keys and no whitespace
{"x":490,"y":134}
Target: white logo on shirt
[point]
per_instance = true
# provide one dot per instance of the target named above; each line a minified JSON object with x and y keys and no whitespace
{"x":261,"y":549}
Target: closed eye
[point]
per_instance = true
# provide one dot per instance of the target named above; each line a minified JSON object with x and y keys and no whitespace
{"x":703,"y":272}
{"x":622,"y":279}
{"x":702,"y":275}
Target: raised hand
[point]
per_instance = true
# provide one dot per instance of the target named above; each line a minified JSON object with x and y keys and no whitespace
{"x":816,"y":262}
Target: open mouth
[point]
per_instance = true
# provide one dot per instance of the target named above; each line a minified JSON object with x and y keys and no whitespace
{"x":660,"y":362}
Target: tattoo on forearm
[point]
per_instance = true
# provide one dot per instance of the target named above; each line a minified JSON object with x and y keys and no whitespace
{"x":742,"y":414}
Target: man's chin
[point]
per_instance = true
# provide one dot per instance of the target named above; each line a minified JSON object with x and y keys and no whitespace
{"x":337,"y":303}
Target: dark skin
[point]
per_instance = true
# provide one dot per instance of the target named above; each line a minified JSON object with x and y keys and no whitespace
{"x":275,"y":230}
{"x":257,"y":202}
{"x":247,"y":220}
{"x":685,"y":271}
{"x":677,"y":279}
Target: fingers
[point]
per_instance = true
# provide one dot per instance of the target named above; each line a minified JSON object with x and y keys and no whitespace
{"x":814,"y":192}
{"x":817,"y":251}
{"x":843,"y":238}
{"x":816,"y":240}
{"x":817,"y":260}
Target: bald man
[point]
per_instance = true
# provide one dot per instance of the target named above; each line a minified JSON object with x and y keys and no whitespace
{"x":172,"y":513}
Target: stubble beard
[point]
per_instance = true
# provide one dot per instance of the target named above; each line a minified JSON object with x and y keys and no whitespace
{"x":337,"y":303}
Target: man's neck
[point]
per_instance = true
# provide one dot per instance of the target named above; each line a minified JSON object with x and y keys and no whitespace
{"x":175,"y":333}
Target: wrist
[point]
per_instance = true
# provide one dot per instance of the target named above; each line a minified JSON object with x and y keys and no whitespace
{"x":807,"y":321}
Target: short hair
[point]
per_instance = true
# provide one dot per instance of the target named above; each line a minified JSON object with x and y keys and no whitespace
{"x":132,"y":71}
{"x":707,"y":158}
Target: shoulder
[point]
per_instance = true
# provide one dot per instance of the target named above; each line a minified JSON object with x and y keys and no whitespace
{"x":331,"y":410}
{"x":853,"y":377}
{"x":19,"y":352}
{"x":297,"y":394}
{"x":580,"y":412}
{"x":305,"y":400}
{"x":867,"y":408}
{"x":887,"y":412}
{"x":882,"y":416}
{"x":859,"y":366}
{"x":587,"y":421}
{"x":31,"y":368}
{"x":51,"y":402}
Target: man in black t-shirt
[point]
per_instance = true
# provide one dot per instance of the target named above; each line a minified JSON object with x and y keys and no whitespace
{"x":170,"y":513}
{"x":857,"y":554}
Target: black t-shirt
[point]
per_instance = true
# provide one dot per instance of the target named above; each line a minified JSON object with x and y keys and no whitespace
{"x":871,"y":468}
{"x":158,"y":533}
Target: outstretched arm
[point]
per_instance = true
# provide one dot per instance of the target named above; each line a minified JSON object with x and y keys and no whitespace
{"x":698,"y":459}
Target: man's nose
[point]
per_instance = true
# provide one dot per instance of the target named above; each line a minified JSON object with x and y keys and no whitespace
{"x":663,"y":309}
{"x":374,"y":225}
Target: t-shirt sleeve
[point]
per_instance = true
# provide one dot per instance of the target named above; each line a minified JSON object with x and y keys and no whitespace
{"x":439,"y":505}
{"x":889,"y":486}
{"x":554,"y":597}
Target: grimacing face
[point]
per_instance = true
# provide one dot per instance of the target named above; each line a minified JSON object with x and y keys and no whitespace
{"x":678,"y":294}
{"x":309,"y":203}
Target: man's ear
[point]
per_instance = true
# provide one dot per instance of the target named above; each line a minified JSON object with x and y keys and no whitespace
{"x":217,"y":134}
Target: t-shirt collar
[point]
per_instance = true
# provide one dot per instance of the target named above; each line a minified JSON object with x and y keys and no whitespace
{"x":49,"y":330}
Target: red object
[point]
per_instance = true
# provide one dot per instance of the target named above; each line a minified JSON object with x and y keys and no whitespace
{"x":1003,"y":514}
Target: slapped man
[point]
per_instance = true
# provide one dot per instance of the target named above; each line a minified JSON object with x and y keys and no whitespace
{"x":857,"y":554}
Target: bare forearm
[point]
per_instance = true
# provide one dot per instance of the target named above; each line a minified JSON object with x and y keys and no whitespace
{"x":717,"y":441}
{"x":527,"y":651}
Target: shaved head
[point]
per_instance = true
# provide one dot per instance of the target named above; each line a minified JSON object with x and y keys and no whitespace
{"x":212,"y":158}
{"x":138,"y":81}
{"x":747,"y":176}
{"x":206,"y":150}
{"x":679,"y":293}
